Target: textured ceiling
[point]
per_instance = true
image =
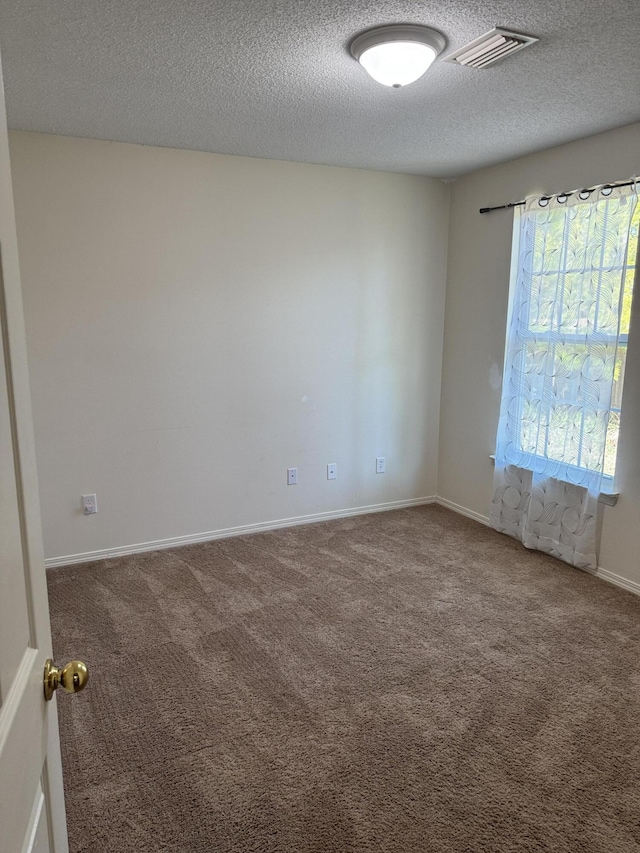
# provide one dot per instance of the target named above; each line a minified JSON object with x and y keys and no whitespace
{"x":274,"y":78}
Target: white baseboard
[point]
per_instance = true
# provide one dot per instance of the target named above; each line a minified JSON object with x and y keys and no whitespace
{"x":227,"y":532}
{"x":603,"y":574}
{"x":461,"y":510}
{"x":209,"y":536}
{"x":618,"y":580}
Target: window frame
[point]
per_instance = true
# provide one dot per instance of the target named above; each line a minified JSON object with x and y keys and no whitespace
{"x":609,"y":482}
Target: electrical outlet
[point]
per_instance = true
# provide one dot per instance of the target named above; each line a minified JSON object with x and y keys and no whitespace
{"x":89,"y":504}
{"x":332,"y":471}
{"x":292,"y":476}
{"x":380,"y":465}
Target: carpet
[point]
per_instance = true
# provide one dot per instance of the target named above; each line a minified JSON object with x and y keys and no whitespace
{"x":391,"y":683}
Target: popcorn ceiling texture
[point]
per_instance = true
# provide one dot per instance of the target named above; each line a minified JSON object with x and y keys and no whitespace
{"x":274,"y":78}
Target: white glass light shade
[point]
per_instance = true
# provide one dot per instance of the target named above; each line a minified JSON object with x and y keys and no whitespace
{"x":398,"y":54}
{"x":397,"y":63}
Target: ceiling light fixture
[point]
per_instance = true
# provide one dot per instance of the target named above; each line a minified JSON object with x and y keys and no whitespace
{"x":398,"y":54}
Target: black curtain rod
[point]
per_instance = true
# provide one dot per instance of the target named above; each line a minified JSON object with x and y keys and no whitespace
{"x":560,"y":195}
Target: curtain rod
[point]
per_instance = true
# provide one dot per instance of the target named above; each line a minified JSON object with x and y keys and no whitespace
{"x":561,"y":195}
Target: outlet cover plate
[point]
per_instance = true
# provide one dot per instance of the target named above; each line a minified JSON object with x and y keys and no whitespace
{"x":89,"y":504}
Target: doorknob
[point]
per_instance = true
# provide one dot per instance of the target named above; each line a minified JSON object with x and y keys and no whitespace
{"x":73,"y":677}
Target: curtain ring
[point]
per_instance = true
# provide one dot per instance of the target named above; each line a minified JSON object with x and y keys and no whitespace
{"x":584,"y":194}
{"x":544,"y":201}
{"x":562,"y":198}
{"x":606,"y":190}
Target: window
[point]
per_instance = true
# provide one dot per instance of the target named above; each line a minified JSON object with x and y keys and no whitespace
{"x":613,"y":430}
{"x":572,"y":284}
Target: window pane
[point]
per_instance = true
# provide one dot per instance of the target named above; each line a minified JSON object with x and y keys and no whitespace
{"x":611,"y":447}
{"x":570,"y":330}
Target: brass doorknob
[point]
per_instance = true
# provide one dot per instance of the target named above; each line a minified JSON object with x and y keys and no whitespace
{"x":73,"y":677}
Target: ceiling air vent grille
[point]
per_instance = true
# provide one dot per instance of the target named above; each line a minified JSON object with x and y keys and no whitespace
{"x":493,"y":46}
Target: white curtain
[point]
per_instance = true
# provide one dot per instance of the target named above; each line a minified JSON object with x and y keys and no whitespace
{"x":555,"y":433}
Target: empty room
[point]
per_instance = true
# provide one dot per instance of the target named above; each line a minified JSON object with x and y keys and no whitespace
{"x":320,"y":427}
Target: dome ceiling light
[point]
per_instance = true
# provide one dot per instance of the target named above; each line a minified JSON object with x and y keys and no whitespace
{"x":398,"y":54}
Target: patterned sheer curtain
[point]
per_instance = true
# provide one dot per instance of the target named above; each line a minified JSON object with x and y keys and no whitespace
{"x":563,"y":363}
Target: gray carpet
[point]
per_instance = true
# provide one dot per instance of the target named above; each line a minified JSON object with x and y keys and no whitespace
{"x":406,"y":681}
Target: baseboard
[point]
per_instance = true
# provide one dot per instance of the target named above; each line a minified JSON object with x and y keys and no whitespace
{"x":227,"y":532}
{"x":618,"y":580}
{"x":603,"y":574}
{"x":461,"y":510}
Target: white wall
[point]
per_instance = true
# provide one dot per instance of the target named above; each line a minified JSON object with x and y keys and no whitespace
{"x":475,"y":321}
{"x":197,"y":323}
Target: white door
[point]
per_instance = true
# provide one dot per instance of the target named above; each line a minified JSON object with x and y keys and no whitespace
{"x":31,"y":798}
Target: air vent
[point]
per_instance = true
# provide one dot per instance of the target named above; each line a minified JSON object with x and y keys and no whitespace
{"x":493,"y":46}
